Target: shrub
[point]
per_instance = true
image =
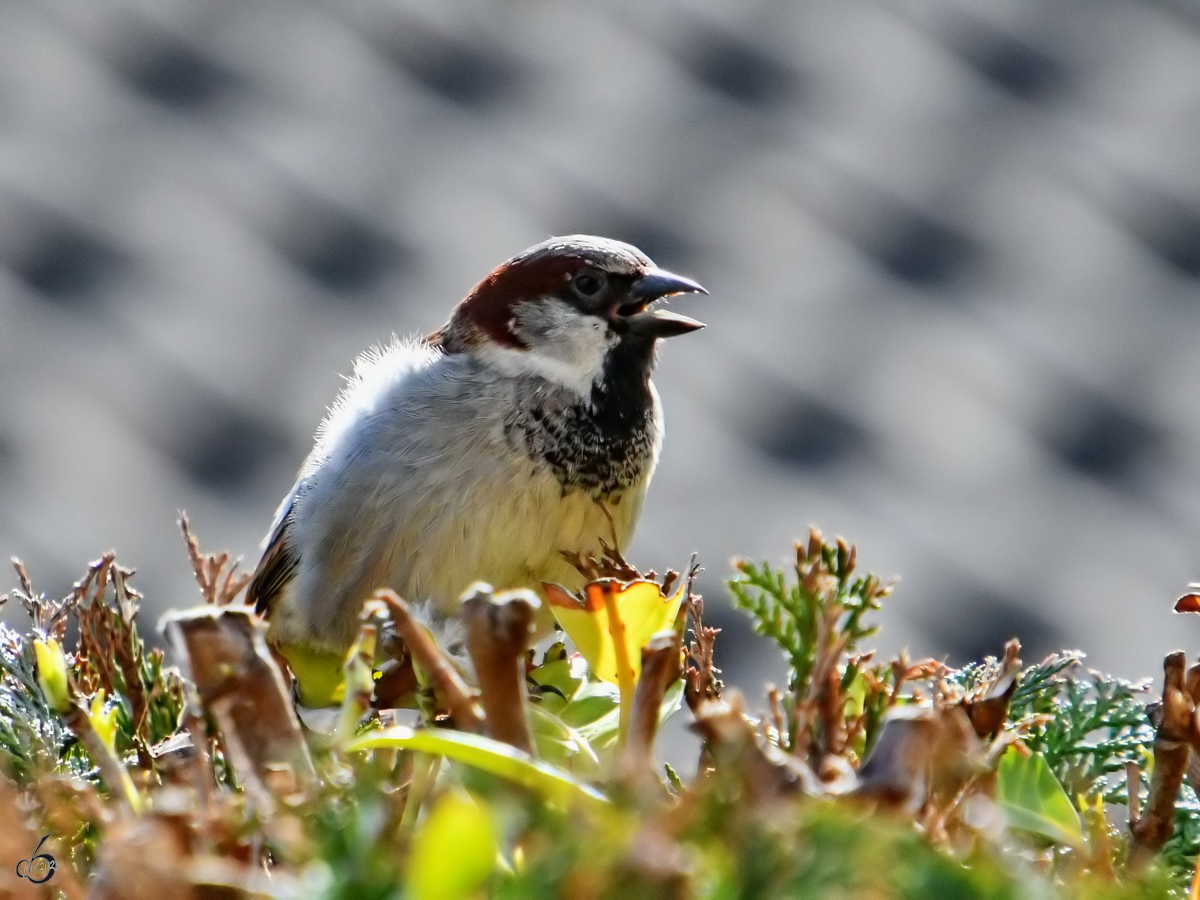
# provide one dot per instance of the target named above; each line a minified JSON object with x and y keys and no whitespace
{"x":861,"y":778}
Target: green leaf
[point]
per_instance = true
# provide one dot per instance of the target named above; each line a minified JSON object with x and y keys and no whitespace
{"x":594,"y":701}
{"x":601,"y":732}
{"x":559,"y":676}
{"x":856,"y":695}
{"x":454,"y":851}
{"x":503,"y":760}
{"x":560,"y":744}
{"x":1033,"y":800}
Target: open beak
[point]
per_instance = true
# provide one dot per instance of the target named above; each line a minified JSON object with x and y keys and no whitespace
{"x":658,"y":323}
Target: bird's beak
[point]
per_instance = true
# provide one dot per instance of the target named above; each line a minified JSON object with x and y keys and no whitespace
{"x":658,"y":323}
{"x":656,"y":284}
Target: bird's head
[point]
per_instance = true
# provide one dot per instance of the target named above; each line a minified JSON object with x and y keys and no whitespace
{"x":570,"y":309}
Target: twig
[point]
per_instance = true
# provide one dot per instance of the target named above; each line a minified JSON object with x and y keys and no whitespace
{"x":499,"y":627}
{"x":447,"y":683}
{"x":219,"y":582}
{"x":238,"y":682}
{"x":823,"y":696}
{"x":610,"y":564}
{"x":762,"y":770}
{"x":660,"y":666}
{"x":357,"y":677}
{"x":1133,"y":791}
{"x":1175,"y":735}
{"x":775,"y":698}
{"x":701,"y":684}
{"x":130,"y":652}
{"x":112,"y":773}
{"x":195,"y":556}
{"x":989,"y":710}
{"x":202,"y":767}
{"x":424,"y":774}
{"x":23,"y":576}
{"x":50,"y":616}
{"x":831,"y":705}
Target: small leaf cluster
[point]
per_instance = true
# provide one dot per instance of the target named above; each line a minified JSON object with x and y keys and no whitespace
{"x":825,"y":599}
{"x":32,"y":737}
{"x":1088,"y":726}
{"x":1179,"y":854}
{"x":819,"y":619}
{"x":109,"y":667}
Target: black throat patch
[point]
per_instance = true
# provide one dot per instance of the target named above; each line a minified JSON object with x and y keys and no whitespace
{"x":603,"y":446}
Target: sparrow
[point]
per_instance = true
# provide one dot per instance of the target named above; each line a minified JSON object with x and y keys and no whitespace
{"x":525,"y":428}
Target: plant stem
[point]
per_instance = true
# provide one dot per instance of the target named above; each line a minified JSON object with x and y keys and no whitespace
{"x":498,"y":631}
{"x":111,"y":770}
{"x":424,"y":773}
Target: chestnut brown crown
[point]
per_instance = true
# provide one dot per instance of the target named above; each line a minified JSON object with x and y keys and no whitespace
{"x":593,"y":278}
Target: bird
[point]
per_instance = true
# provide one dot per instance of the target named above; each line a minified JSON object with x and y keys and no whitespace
{"x":525,"y":429}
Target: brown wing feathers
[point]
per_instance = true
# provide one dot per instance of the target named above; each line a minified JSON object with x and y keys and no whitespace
{"x":276,"y":568}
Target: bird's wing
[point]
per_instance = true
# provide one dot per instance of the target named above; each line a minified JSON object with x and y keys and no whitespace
{"x":277,"y":566}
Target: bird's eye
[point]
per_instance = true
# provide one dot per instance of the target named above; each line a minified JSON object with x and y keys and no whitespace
{"x":588,"y":284}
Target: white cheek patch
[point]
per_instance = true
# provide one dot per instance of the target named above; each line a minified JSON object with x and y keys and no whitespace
{"x":565,"y":346}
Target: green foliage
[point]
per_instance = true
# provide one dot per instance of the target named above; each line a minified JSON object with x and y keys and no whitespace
{"x":1088,"y":726}
{"x":349,"y":848}
{"x":868,"y":778}
{"x":1081,"y":731}
{"x":142,"y":695}
{"x":1034,"y":801}
{"x":824,"y":593}
{"x":1180,"y":852}
{"x":33,"y":737}
{"x":819,"y":622}
{"x":454,"y":850}
{"x":552,"y":785}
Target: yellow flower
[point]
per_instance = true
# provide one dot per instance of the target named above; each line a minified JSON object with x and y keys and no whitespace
{"x":604,"y":639}
{"x":610,"y":624}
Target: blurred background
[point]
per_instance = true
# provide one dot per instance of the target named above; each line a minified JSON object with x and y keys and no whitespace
{"x":953,"y":250}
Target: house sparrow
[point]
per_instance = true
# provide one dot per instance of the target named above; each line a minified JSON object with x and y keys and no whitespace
{"x":524,"y":427}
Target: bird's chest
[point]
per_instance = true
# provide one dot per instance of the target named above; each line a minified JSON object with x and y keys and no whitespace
{"x":595,"y":450}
